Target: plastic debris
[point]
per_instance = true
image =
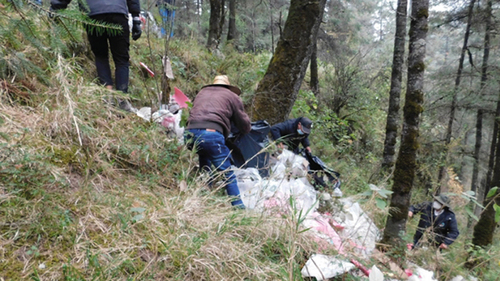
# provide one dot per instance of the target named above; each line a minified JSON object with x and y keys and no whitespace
{"x":180,"y":98}
{"x":150,"y":72}
{"x":376,"y":274}
{"x":324,"y":267}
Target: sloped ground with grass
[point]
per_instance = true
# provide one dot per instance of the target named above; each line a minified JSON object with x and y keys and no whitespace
{"x":90,"y":192}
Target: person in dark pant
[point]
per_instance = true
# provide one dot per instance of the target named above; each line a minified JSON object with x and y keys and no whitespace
{"x":112,"y":12}
{"x":215,"y":108}
{"x":292,"y":133}
{"x":439,"y":216}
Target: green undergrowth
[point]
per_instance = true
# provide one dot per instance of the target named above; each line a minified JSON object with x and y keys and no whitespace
{"x":90,"y":192}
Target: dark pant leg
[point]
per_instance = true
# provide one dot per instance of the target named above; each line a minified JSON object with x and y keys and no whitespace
{"x":99,"y":45}
{"x":120,"y":45}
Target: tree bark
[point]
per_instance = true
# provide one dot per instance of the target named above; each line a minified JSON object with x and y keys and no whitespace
{"x":483,"y":230}
{"x":484,"y":78}
{"x":314,"y":83}
{"x":278,"y":90}
{"x":477,"y":150}
{"x":405,"y":169}
{"x":392,"y":125}
{"x":231,"y":30}
{"x":449,"y":130}
{"x":215,"y":23}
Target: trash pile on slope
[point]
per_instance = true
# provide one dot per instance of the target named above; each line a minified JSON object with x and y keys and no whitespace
{"x":169,"y":115}
{"x":348,"y":229}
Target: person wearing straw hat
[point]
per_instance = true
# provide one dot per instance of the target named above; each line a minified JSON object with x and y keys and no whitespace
{"x":440,"y":218}
{"x":292,"y":133}
{"x":215,"y":108}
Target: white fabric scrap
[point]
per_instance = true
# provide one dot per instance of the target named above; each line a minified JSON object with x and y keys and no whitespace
{"x":376,"y":274}
{"x":324,"y":267}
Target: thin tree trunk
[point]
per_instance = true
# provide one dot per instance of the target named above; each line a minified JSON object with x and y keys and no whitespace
{"x":272,"y":26}
{"x":483,"y":230}
{"x":493,"y":147}
{"x":405,"y":169}
{"x":278,"y":90}
{"x":484,"y":78}
{"x":215,"y":28}
{"x":314,"y":83}
{"x":449,"y":131}
{"x":477,"y":150}
{"x":231,"y":31}
{"x":392,"y":125}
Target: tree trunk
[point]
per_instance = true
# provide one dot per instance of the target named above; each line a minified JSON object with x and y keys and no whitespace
{"x":215,"y":26}
{"x":278,"y":90}
{"x":314,"y":83}
{"x":449,"y":130}
{"x":231,"y":30}
{"x":483,"y":230}
{"x":477,"y":150}
{"x":392,"y":125}
{"x":484,"y":78}
{"x":493,"y":148}
{"x":405,"y":169}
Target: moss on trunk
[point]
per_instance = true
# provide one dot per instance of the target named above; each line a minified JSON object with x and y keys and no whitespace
{"x":278,"y":90}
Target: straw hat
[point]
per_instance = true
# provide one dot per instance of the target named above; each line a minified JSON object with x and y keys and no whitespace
{"x":222,"y":80}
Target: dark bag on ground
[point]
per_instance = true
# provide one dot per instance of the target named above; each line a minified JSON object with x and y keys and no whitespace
{"x":247,"y":148}
{"x":323,"y":176}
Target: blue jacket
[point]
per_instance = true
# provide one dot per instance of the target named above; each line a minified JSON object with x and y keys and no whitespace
{"x":444,"y":227}
{"x":97,"y":7}
{"x":286,"y":132}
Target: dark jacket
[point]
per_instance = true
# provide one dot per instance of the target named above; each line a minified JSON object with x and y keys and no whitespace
{"x":97,"y":7}
{"x":215,"y":107}
{"x":444,"y":227}
{"x":286,"y":132}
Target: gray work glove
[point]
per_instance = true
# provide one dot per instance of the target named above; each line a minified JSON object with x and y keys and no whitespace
{"x":136,"y":28}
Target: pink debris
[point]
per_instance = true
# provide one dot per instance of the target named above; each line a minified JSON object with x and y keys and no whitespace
{"x":180,"y":98}
{"x":151,"y":73}
{"x":361,"y":267}
{"x":168,"y":122}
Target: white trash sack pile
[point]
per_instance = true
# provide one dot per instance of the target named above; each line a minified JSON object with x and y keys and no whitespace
{"x":350,"y":230}
{"x":288,"y":178}
{"x":169,"y":116}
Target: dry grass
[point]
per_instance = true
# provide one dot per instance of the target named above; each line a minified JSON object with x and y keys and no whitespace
{"x":88,"y":191}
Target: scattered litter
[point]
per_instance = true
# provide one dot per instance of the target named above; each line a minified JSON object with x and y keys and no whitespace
{"x":420,"y":274}
{"x":150,"y":72}
{"x":324,"y":267}
{"x":361,"y":267}
{"x":169,"y":116}
{"x":376,"y":274}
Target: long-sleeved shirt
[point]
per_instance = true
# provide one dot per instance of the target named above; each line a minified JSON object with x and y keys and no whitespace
{"x":216,"y":107}
{"x":286,"y":132}
{"x":444,"y":226}
{"x":97,"y":7}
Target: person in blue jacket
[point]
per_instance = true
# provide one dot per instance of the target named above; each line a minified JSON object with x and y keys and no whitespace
{"x":113,"y":12}
{"x":440,"y":218}
{"x":292,"y":133}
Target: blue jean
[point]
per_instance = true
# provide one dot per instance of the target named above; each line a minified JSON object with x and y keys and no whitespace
{"x":212,"y":150}
{"x":167,"y":15}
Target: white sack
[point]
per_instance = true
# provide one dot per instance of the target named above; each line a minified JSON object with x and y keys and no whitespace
{"x":324,"y":267}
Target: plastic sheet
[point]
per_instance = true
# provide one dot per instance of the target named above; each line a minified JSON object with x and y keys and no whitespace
{"x":324,"y":267}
